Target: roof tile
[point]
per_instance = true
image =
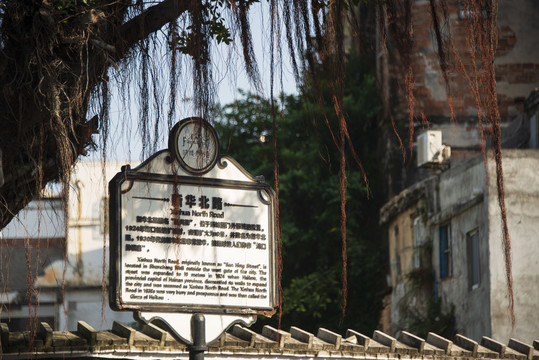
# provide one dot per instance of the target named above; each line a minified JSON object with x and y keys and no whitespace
{"x":125,"y":340}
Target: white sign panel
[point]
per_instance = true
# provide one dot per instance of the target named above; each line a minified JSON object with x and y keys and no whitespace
{"x":189,"y":243}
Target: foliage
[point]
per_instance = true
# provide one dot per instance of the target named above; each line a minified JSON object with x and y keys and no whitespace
{"x":432,"y":319}
{"x":60,"y":60}
{"x":309,"y":200}
{"x":422,"y":310}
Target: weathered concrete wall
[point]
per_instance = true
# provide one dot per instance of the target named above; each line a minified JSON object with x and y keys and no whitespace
{"x":517,"y":60}
{"x":401,"y":244}
{"x":462,"y":198}
{"x":462,"y":206}
{"x":516,"y":72}
{"x":400,"y":260}
{"x":407,"y":256}
{"x":521,"y":179}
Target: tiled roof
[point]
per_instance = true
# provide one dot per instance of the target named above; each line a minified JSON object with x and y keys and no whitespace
{"x":151,"y":342}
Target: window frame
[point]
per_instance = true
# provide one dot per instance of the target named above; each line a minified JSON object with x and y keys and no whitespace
{"x":445,"y":253}
{"x":397,"y":258}
{"x":416,"y":259}
{"x":473,"y":259}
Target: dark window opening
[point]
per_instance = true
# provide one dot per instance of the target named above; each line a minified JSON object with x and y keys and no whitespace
{"x":474,"y":268}
{"x":445,"y":251}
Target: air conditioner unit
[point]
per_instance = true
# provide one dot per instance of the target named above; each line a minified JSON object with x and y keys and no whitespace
{"x":430,"y":149}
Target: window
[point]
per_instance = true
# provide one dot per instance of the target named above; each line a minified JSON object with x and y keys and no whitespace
{"x":397,"y":259}
{"x":417,"y":245}
{"x":533,"y":132}
{"x":474,"y":268}
{"x":445,"y":251}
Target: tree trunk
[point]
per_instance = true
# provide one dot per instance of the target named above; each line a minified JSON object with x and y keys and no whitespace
{"x":51,"y":61}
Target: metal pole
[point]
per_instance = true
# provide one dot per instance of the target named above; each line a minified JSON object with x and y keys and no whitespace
{"x":198,"y":329}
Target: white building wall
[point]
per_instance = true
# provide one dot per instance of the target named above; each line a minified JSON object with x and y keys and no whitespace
{"x":87,"y":263}
{"x":484,"y":311}
{"x":88,"y":248}
{"x":87,"y":305}
{"x":87,"y":243}
{"x":521,"y":179}
{"x":88,"y":230}
{"x":39,"y":219}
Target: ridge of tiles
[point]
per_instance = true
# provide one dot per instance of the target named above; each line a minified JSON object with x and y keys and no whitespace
{"x":241,"y":340}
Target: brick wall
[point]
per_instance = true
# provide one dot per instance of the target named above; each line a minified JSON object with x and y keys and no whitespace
{"x":517,"y":64}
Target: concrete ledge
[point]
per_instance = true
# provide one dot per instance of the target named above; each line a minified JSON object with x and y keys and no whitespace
{"x":155,"y":332}
{"x":88,"y":332}
{"x":302,"y":336}
{"x":279,"y":336}
{"x":360,"y":338}
{"x":385,"y":339}
{"x":330,"y":337}
{"x":244,"y":334}
{"x":467,"y":344}
{"x":455,"y":210}
{"x":4,"y":335}
{"x":521,"y":347}
{"x":242,"y":343}
{"x":412,"y":340}
{"x":493,"y":345}
{"x":440,"y":342}
{"x":46,"y":332}
{"x":124,"y":331}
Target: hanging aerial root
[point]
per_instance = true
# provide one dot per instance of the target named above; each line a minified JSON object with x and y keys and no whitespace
{"x":482,"y":37}
{"x":410,"y":99}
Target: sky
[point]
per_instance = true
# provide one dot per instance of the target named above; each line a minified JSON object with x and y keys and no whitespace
{"x":125,"y":140}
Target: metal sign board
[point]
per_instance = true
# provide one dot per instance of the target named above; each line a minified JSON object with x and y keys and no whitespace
{"x":191,"y":236}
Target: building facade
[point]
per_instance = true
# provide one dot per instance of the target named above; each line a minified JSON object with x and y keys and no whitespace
{"x":454,"y":112}
{"x":445,"y":246}
{"x":57,"y":278}
{"x":443,"y":223}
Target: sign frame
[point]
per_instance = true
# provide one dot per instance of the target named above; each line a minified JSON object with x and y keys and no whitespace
{"x":142,"y":174}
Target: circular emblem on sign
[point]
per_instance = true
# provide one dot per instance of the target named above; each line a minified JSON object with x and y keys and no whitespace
{"x":194,"y":142}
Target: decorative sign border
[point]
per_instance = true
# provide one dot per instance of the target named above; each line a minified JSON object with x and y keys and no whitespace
{"x":233,"y":233}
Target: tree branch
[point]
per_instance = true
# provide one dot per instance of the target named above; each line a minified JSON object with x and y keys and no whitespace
{"x":151,"y":20}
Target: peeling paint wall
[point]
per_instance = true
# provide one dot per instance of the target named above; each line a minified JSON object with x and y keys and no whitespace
{"x":517,"y":62}
{"x":407,"y":240}
{"x":401,"y":244}
{"x":521,"y":178}
{"x":458,"y":188}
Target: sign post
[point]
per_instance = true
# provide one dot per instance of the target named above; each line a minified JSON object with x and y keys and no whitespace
{"x":192,"y":232}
